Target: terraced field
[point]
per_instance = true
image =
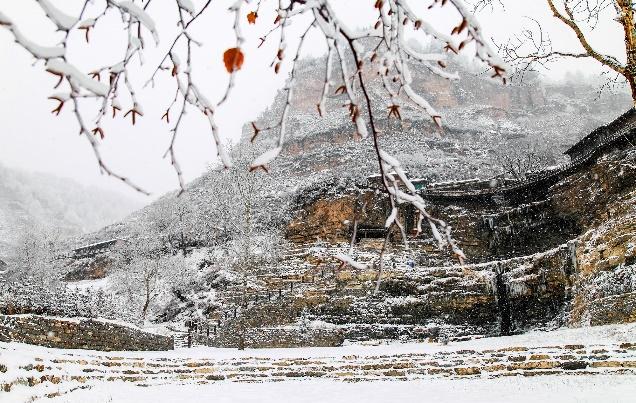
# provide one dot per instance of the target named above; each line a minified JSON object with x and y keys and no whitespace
{"x":33,"y":373}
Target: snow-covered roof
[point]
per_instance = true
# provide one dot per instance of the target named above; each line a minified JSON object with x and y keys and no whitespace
{"x":100,"y":243}
{"x":616,"y":125}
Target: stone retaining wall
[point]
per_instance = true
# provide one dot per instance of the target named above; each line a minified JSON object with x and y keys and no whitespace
{"x":284,"y":337}
{"x":273,"y":337}
{"x":62,"y":371}
{"x":89,"y":334}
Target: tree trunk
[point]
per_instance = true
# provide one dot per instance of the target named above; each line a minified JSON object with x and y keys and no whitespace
{"x":386,"y":240}
{"x":145,"y":308}
{"x":627,"y":20}
{"x":183,"y":245}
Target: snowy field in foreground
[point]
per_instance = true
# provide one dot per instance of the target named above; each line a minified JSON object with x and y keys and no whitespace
{"x":515,"y":389}
{"x":561,"y":389}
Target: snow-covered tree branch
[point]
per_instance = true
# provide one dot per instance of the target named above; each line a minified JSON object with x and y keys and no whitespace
{"x":359,"y":53}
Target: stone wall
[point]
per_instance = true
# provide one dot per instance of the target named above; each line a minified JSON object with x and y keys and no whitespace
{"x":89,"y":334}
{"x":500,"y":297}
{"x":603,"y":199}
{"x":238,"y":335}
{"x":271,"y":325}
{"x":285,"y":337}
{"x":52,"y":375}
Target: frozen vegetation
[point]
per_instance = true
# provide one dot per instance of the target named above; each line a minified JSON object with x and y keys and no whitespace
{"x":42,"y":205}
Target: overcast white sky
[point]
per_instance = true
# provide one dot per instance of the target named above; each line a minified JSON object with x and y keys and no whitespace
{"x":33,"y":139}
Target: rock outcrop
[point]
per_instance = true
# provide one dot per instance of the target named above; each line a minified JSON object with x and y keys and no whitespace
{"x":564,"y":253}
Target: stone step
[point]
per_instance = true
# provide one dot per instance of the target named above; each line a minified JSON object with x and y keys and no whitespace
{"x":511,"y":361}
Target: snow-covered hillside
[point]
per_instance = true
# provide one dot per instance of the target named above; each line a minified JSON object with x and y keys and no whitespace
{"x":483,"y":120}
{"x":41,"y":202}
{"x":236,"y":220}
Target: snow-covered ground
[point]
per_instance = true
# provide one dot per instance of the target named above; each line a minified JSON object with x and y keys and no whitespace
{"x":561,"y":389}
{"x":369,"y":372}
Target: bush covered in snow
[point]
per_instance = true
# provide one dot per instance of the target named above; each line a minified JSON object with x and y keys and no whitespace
{"x":31,"y":296}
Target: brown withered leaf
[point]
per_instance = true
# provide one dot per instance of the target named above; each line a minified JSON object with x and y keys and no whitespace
{"x":133,"y":114}
{"x":251,"y":17}
{"x":460,"y":28}
{"x":86,"y":31}
{"x":438,"y":121}
{"x":233,"y":59}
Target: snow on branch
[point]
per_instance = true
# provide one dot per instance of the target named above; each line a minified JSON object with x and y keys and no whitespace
{"x":61,"y":68}
{"x":63,"y":21}
{"x":140,"y":15}
{"x":346,"y":259}
{"x":38,"y":51}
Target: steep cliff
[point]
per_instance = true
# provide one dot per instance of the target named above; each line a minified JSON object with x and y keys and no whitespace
{"x":566,"y":257}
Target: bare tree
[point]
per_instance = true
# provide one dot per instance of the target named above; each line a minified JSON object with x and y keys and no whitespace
{"x":381,"y":261}
{"x":35,"y":253}
{"x":518,"y":161}
{"x":533,"y":46}
{"x":142,"y":269}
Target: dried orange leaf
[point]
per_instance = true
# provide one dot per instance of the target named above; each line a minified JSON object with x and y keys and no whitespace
{"x":251,"y":17}
{"x":233,"y":59}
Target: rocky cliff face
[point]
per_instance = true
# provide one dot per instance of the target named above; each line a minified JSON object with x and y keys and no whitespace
{"x":604,"y":201}
{"x":568,"y":257}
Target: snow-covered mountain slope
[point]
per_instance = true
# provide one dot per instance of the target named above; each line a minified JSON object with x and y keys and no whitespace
{"x":44,"y":202}
{"x":482,"y":120}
